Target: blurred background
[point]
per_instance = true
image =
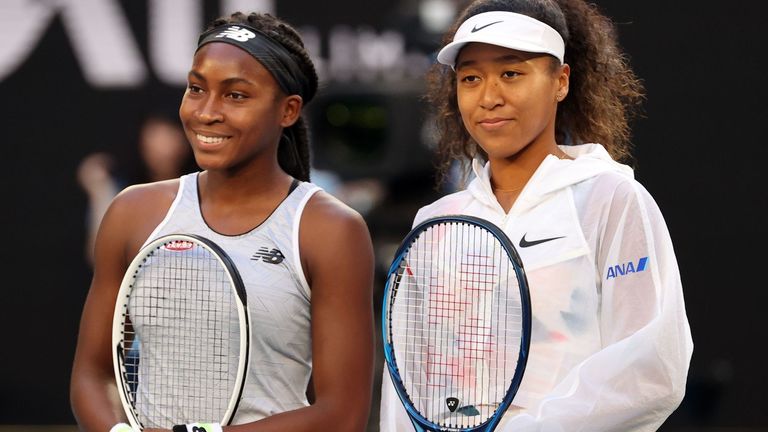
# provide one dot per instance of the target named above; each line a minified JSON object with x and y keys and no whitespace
{"x":89,"y":92}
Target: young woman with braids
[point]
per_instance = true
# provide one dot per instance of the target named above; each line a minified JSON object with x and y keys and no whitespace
{"x":241,"y":113}
{"x":535,"y":96}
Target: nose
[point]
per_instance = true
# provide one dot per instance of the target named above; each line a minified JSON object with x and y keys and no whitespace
{"x":209,"y":111}
{"x":491,"y":96}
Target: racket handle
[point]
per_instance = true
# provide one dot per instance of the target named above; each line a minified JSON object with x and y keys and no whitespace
{"x":198,"y":427}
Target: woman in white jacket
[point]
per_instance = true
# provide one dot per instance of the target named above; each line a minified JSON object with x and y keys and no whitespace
{"x":523,"y":88}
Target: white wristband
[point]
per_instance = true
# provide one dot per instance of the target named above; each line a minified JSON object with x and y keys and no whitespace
{"x":198,"y":427}
{"x":121,"y":427}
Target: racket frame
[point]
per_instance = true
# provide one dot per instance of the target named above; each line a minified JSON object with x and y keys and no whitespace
{"x":121,"y":305}
{"x":419,"y":421}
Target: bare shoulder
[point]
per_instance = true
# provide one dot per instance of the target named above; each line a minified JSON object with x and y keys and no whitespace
{"x":137,"y":210}
{"x":332,"y":232}
{"x":147,"y":195}
{"x":326,"y":215}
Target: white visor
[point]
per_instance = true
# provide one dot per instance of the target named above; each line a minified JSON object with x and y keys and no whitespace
{"x":505,"y":29}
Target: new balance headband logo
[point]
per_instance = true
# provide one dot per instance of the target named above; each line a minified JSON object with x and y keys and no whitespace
{"x":273,"y":256}
{"x":237,"y":33}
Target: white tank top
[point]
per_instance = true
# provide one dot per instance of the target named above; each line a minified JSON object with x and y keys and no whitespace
{"x":268,"y":260}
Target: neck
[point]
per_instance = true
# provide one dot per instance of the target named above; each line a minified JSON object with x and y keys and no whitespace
{"x":239,"y":185}
{"x":512,"y":173}
{"x":233,"y":204}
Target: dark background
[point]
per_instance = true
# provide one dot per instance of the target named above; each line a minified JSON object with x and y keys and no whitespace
{"x":700,"y":148}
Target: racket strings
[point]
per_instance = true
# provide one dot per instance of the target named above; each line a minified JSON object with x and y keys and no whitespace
{"x":456,"y":324}
{"x":180,"y":333}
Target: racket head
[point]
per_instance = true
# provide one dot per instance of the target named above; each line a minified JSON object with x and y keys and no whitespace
{"x":457,"y":336}
{"x":181,"y":334}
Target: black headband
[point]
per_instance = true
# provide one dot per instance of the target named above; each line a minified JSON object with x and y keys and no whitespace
{"x":270,"y":53}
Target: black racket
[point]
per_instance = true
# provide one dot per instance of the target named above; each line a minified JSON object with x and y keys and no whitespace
{"x":456,"y":324}
{"x":181,"y":333}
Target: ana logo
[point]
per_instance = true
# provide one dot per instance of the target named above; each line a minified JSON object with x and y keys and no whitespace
{"x":627,"y":268}
{"x":179,"y":245}
{"x":273,"y":256}
{"x":452,"y":403}
{"x":237,"y":33}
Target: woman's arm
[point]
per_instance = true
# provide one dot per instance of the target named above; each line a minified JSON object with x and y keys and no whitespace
{"x":638,"y":377}
{"x":93,"y":390}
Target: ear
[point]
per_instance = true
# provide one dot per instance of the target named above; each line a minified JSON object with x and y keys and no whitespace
{"x":291,"y":110}
{"x":563,"y":82}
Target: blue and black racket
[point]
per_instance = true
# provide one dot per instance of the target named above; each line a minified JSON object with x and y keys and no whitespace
{"x":456,"y":323}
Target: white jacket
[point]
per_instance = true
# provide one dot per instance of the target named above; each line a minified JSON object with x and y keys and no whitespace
{"x":610,"y":344}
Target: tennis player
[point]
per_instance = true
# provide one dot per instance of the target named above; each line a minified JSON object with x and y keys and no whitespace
{"x":305,"y":257}
{"x":536,"y":96}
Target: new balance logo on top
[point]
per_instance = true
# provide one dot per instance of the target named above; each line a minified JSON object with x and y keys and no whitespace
{"x":627,"y":268}
{"x":273,"y":256}
{"x":237,"y":33}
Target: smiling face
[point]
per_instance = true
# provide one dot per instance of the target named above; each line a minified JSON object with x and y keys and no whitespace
{"x":233,"y":111}
{"x":508,"y":99}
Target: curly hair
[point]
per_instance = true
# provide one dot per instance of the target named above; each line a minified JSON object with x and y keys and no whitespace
{"x":293,"y":153}
{"x":604,"y":93}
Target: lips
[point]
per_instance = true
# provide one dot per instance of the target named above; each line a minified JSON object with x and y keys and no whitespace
{"x":494,"y":123}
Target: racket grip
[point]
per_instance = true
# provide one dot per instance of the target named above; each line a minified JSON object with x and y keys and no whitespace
{"x":198,"y":427}
{"x":122,"y":427}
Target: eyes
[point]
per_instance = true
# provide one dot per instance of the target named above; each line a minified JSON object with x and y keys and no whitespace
{"x":470,"y":78}
{"x":194,"y":89}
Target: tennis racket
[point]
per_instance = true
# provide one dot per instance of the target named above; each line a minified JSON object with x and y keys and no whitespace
{"x":456,"y":324}
{"x":181,"y":333}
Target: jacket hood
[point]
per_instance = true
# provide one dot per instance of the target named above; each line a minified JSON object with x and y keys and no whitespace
{"x":552,"y":175}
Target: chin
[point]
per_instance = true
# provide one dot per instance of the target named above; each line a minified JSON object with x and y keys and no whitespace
{"x":210,"y":164}
{"x":502,"y":151}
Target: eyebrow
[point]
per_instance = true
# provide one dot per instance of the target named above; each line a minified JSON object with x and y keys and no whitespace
{"x":226,"y":82}
{"x":197,"y":75}
{"x":507,"y":58}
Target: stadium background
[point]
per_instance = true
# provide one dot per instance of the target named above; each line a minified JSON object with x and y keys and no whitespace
{"x":78,"y":76}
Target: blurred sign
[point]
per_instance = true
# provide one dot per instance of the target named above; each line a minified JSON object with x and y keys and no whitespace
{"x":110,"y":55}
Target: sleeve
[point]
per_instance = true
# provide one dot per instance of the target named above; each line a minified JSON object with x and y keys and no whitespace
{"x":637,"y":378}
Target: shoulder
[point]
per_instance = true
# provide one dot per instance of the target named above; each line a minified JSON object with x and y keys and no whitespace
{"x":142,"y":196}
{"x":619,"y":198}
{"x":324,"y":214}
{"x":611,"y":187}
{"x":137,"y":210}
{"x":602,"y":177}
{"x":331,"y":233}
